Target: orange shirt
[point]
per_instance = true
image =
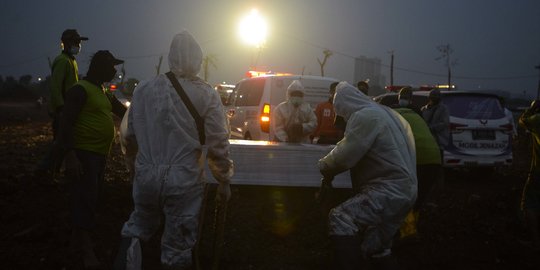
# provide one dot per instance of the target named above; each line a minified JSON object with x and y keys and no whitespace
{"x":325,"y":122}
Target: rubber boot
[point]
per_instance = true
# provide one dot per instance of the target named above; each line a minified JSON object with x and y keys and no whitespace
{"x":83,"y":250}
{"x":129,"y":255}
{"x":347,"y":253}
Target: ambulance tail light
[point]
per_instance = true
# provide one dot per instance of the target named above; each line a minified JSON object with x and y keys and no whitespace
{"x":265,"y":118}
{"x":457,"y":128}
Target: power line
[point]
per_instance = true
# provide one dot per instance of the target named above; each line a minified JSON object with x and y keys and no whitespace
{"x":310,"y":44}
{"x":417,"y":71}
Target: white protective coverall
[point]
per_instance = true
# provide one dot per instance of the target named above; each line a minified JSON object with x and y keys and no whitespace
{"x":286,"y":114}
{"x":169,"y":164}
{"x":379,"y":145}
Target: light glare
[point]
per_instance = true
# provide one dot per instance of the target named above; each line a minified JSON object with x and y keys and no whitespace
{"x":253,"y":28}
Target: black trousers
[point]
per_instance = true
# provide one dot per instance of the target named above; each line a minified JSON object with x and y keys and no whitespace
{"x":86,"y":187}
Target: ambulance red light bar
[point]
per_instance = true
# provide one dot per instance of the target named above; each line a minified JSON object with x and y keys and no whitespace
{"x":394,"y":88}
{"x":254,"y":73}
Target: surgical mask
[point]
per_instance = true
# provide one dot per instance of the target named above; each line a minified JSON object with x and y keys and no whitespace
{"x":296,"y":101}
{"x":403,"y":103}
{"x":74,"y":50}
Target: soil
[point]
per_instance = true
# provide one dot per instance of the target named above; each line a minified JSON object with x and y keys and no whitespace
{"x":472,"y":222}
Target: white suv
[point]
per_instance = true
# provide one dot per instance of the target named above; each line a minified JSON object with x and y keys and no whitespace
{"x":480,"y":132}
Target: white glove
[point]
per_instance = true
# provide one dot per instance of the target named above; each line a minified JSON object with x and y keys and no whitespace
{"x":223,"y":192}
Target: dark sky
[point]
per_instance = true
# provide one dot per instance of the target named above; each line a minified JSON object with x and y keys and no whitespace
{"x":496,"y":43}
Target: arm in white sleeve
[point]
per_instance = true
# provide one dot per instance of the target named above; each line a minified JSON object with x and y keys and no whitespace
{"x":279,"y":124}
{"x":217,"y":140}
{"x":311,"y":124}
{"x":362,"y":131}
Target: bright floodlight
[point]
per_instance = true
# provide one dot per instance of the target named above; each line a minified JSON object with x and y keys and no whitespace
{"x":252,"y":29}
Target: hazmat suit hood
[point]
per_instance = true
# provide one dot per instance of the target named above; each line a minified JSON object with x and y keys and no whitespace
{"x":296,"y":85}
{"x":185,"y":55}
{"x":349,"y":100}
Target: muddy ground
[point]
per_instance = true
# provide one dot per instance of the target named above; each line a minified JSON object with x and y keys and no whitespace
{"x":473,"y":222}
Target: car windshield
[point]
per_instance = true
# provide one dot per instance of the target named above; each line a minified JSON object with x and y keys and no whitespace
{"x":474,"y":106}
{"x":249,"y":93}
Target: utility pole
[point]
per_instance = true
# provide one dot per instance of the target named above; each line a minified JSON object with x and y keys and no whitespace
{"x":392,"y":67}
{"x":158,"y":67}
{"x":538,"y":90}
{"x":446,"y":51}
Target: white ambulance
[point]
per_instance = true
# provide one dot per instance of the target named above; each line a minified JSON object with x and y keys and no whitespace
{"x":253,"y":101}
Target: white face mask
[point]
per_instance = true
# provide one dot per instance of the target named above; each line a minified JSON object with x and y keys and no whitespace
{"x":75,"y":50}
{"x":296,"y":101}
{"x":403,"y":103}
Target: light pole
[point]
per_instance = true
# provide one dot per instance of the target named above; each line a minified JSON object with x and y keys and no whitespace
{"x":391,"y":67}
{"x":253,"y":30}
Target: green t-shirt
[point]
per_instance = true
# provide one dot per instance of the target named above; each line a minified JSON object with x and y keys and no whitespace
{"x":427,"y":149}
{"x":94,"y":128}
{"x":65,"y":73}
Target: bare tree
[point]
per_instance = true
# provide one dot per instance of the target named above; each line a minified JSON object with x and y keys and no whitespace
{"x":327,"y":53}
{"x":209,"y":60}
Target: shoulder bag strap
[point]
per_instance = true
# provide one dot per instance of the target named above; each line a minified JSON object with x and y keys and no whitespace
{"x":198,"y":120}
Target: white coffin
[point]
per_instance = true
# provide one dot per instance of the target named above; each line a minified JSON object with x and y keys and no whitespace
{"x":279,"y":164}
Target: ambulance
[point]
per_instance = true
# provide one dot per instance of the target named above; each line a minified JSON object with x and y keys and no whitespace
{"x":254,"y":99}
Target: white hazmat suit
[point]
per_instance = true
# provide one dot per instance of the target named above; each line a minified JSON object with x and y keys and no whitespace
{"x":169,"y":165}
{"x":379,"y":146}
{"x":287,"y":114}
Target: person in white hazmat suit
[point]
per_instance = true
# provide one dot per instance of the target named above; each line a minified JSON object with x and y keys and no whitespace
{"x":169,"y":164}
{"x":294,"y":119}
{"x":378,"y":145}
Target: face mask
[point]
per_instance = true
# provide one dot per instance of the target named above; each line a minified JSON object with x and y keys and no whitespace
{"x":403,"y":103}
{"x":109,"y":74}
{"x":296,"y":101}
{"x":74,"y":50}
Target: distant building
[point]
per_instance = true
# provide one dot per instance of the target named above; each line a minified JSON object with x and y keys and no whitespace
{"x":369,"y":69}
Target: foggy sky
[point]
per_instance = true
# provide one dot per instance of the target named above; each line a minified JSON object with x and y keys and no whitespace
{"x":496,"y":43}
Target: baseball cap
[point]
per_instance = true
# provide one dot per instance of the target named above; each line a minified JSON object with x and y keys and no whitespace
{"x":72,"y":34}
{"x":105,"y":57}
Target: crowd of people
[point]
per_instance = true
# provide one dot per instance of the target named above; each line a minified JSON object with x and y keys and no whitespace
{"x":394,"y":156}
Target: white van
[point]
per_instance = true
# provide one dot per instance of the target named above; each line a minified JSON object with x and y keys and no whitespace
{"x":253,"y":101}
{"x":480,"y":134}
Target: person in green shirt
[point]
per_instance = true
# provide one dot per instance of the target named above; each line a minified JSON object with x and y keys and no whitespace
{"x":85,"y":137}
{"x":428,"y":159}
{"x":64,"y":74}
{"x":530,"y":201}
